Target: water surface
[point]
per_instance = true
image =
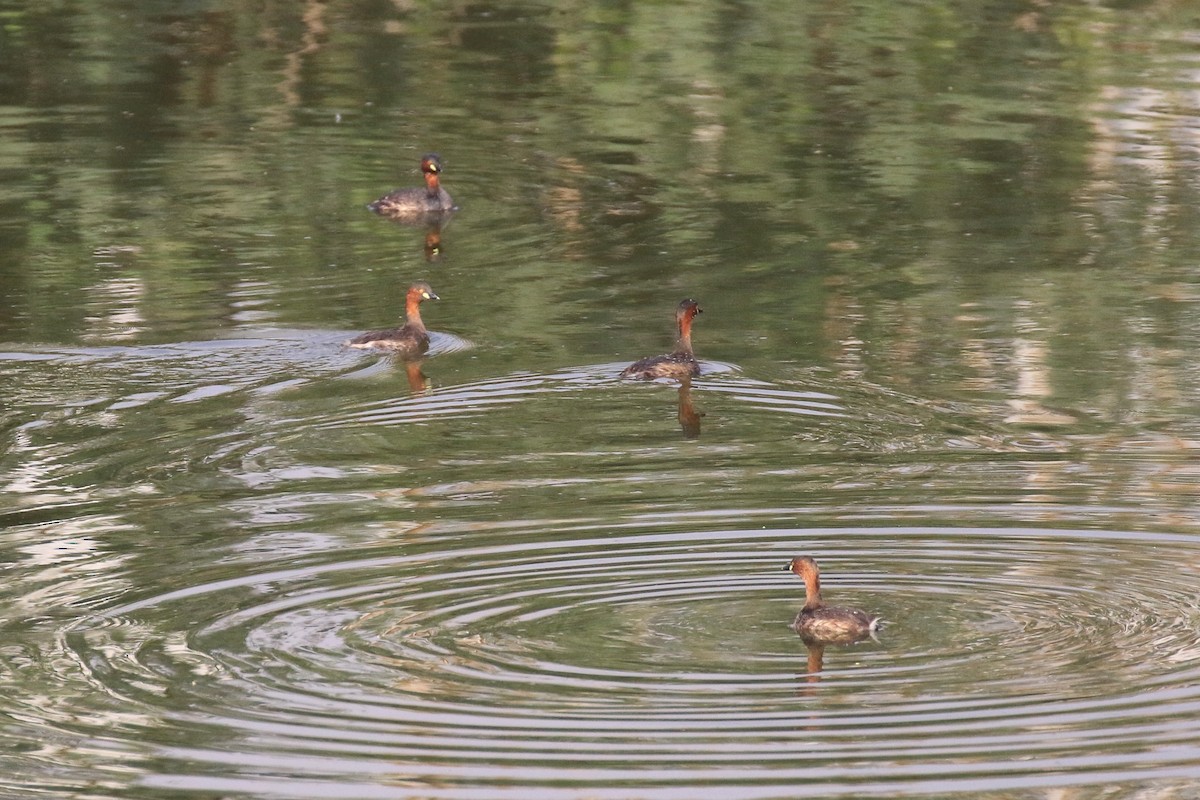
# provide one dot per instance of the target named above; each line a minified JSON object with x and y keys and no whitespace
{"x":947,"y":264}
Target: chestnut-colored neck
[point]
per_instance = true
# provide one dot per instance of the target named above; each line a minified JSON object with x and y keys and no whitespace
{"x":431,"y":183}
{"x":812,"y":589}
{"x":412,"y":311}
{"x":683,"y":344}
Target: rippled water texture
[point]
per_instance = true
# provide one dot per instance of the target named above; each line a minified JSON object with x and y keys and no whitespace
{"x":605,"y":659}
{"x":611,"y":660}
{"x":359,"y":616}
{"x":947,"y":260}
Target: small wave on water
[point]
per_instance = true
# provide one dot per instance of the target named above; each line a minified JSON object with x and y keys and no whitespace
{"x":596,"y":661}
{"x":571,"y":585}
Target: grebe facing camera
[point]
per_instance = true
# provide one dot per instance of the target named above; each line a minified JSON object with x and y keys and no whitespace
{"x":432,"y":199}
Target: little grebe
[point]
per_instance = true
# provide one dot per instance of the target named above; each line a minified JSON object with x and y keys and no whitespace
{"x":412,"y":339}
{"x":433,"y":199}
{"x":821,"y":623}
{"x":680,"y":362}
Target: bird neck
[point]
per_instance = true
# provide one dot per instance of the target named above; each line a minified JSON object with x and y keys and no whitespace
{"x":683,"y":343}
{"x":812,"y":592}
{"x":431,"y":184}
{"x":412,"y":312}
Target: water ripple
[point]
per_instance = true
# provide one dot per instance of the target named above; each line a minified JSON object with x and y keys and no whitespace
{"x":665,"y":659}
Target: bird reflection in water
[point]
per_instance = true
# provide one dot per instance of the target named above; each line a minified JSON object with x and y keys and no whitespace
{"x":816,"y":661}
{"x":433,"y":224}
{"x":417,"y":381}
{"x":689,"y":417}
{"x":433,"y":238}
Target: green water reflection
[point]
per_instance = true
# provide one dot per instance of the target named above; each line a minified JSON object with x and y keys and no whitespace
{"x":947,"y":257}
{"x":973,"y":193}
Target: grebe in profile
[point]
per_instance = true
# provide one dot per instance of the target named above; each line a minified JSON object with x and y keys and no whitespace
{"x":680,"y":362}
{"x":818,"y":622}
{"x":432,"y":199}
{"x":412,"y":339}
